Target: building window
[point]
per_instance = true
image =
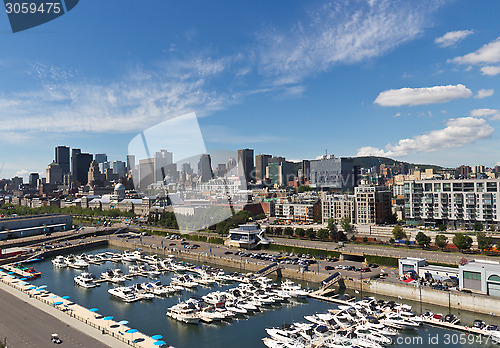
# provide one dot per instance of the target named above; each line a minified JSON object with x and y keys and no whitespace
{"x":472,"y":275}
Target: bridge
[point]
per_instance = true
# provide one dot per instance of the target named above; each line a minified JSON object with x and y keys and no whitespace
{"x":274,"y":267}
{"x":325,"y":286}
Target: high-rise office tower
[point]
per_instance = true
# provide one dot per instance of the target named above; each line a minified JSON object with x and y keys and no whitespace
{"x":162,"y":159}
{"x":54,"y":174}
{"x":80,"y":163}
{"x":246,"y":167}
{"x":205,"y":168}
{"x":130,"y":162}
{"x":74,"y":153}
{"x":261,"y":162}
{"x":186,"y":168}
{"x":62,"y":158}
{"x":33,"y":179}
{"x":101,"y":158}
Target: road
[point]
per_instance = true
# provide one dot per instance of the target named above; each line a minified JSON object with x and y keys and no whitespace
{"x":220,"y":251}
{"x":397,"y":252}
{"x":26,"y":326}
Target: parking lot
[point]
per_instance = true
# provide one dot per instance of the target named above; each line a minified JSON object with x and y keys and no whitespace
{"x":298,"y":262}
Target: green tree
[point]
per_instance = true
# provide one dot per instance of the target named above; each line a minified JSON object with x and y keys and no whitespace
{"x":299,"y":232}
{"x":477,"y":226}
{"x":442,"y":227}
{"x":303,"y":188}
{"x":483,"y":242}
{"x":391,"y":241}
{"x":311,"y":233}
{"x":353,"y":238}
{"x":492,"y":228}
{"x":441,"y":241}
{"x":345,"y":222}
{"x":338,"y":236}
{"x":422,"y":239}
{"x":398,"y":232}
{"x":462,"y":241}
{"x":288,"y":231}
{"x":331,"y":225}
{"x":365,"y":239}
{"x":323,"y":233}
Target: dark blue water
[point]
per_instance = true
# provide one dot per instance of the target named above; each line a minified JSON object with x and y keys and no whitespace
{"x":149,"y":316}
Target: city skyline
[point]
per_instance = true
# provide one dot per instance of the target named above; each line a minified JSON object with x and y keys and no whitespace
{"x":413,"y":82}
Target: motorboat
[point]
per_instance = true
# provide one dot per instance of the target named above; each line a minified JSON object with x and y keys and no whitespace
{"x":294,"y":290}
{"x":59,"y":262}
{"x":76,"y":262}
{"x":184,"y":313}
{"x":113,"y":277}
{"x":185,"y":281}
{"x":86,"y":280}
{"x":450,"y":318}
{"x":125,"y":294}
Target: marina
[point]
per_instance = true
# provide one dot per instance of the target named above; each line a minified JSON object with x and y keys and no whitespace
{"x":212,"y":328}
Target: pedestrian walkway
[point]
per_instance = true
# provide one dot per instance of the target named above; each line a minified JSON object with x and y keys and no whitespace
{"x":101,"y":327}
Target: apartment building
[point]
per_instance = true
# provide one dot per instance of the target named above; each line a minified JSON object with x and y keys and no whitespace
{"x":369,"y":205}
{"x":338,"y":206}
{"x":460,"y":201}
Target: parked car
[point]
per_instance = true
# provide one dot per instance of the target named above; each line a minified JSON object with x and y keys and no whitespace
{"x":329,"y":268}
{"x":228,"y":252}
{"x":366,"y":269}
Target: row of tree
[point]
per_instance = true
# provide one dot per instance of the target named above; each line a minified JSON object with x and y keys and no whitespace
{"x":460,"y":240}
{"x":11,"y":209}
{"x":330,"y":233}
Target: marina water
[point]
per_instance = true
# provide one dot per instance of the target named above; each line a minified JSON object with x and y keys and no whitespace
{"x":149,"y":316}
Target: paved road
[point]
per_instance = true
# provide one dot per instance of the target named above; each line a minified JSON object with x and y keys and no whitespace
{"x":434,"y":256}
{"x":397,"y":252}
{"x":220,"y":251}
{"x":26,"y":326}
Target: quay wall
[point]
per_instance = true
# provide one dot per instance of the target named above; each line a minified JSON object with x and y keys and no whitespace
{"x":221,"y":261}
{"x":477,"y":303}
{"x":471,"y":302}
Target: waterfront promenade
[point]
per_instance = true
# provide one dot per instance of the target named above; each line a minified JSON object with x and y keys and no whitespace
{"x":64,"y":314}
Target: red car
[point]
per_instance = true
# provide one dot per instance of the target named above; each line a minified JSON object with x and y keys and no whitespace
{"x":367,"y":269}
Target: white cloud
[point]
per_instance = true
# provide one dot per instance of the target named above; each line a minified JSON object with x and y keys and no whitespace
{"x":397,"y":114}
{"x":487,"y":54}
{"x":131,"y":103}
{"x":490,"y":70}
{"x":493,"y":114}
{"x":484,"y":93}
{"x":23,"y":173}
{"x":452,"y":37}
{"x":421,"y":96}
{"x":458,"y":132}
{"x":340,"y":32}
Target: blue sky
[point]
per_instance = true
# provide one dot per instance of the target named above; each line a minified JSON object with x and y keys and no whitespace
{"x":412,"y":80}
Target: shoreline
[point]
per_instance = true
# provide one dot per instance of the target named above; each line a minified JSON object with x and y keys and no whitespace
{"x":474,"y":303}
{"x":93,"y":324}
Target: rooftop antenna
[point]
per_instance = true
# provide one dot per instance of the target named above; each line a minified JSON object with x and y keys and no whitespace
{"x":326,"y":152}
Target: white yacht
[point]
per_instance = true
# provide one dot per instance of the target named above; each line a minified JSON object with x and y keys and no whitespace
{"x":113,"y":277}
{"x":124,"y":293}
{"x":59,"y":262}
{"x":184,"y":281}
{"x":294,"y":290}
{"x":86,"y":280}
{"x":183,"y":312}
{"x":76,"y":262}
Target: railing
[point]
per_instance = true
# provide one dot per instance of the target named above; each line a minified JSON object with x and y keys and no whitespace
{"x":103,"y":329}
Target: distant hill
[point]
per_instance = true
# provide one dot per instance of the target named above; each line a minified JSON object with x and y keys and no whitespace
{"x":372,"y":161}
